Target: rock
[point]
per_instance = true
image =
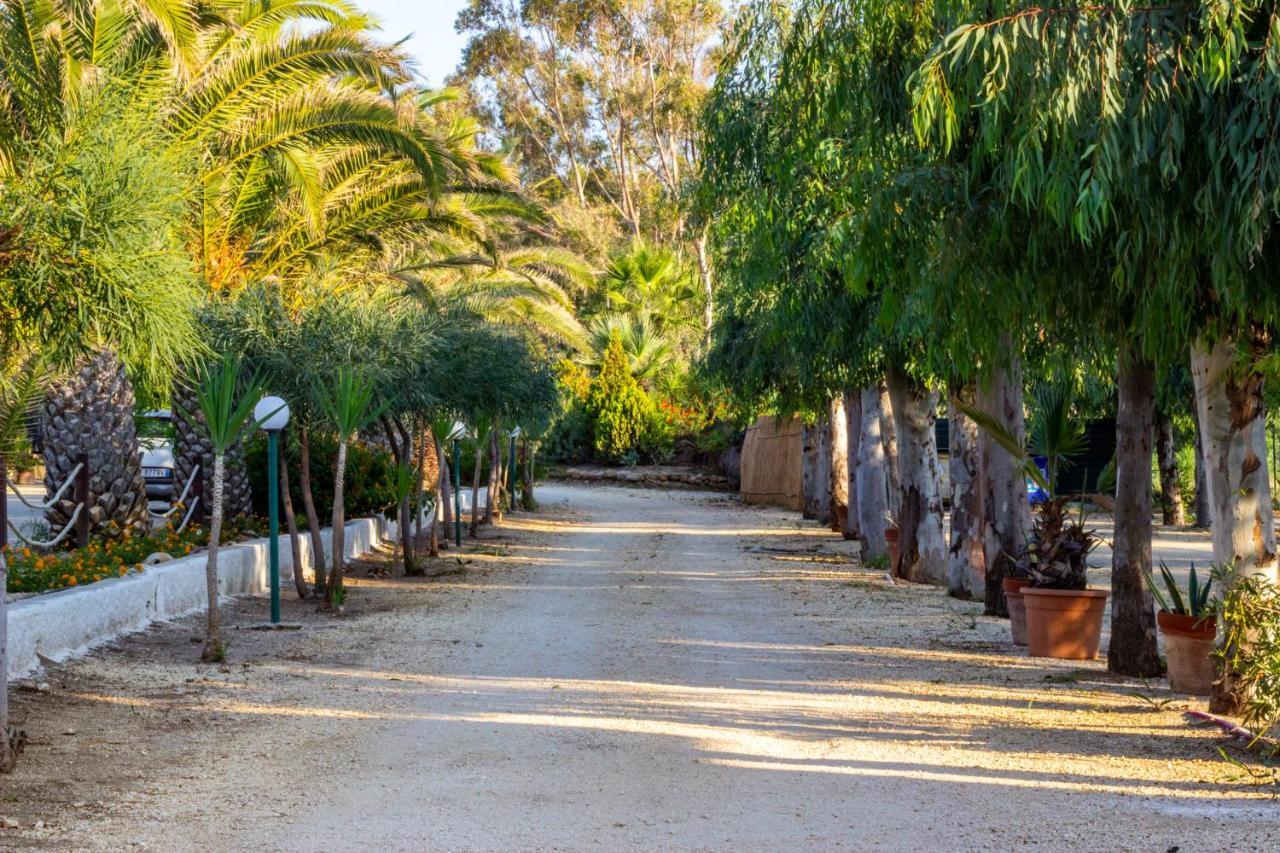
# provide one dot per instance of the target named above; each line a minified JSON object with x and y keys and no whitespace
{"x":156,"y":558}
{"x":8,"y":823}
{"x":38,"y":825}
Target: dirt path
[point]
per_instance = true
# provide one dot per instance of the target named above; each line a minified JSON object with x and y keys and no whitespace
{"x":629,"y":670}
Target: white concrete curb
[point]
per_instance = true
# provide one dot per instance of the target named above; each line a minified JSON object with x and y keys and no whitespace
{"x":69,"y":622}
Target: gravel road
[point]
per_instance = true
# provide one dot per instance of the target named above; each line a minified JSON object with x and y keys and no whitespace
{"x":629,"y":670}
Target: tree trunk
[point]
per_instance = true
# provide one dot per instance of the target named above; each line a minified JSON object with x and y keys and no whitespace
{"x":923,"y":546}
{"x":889,"y":435}
{"x":8,"y":755}
{"x":816,"y":475}
{"x":1006,"y":515}
{"x":808,"y":470}
{"x":90,"y":412}
{"x":1233,"y":435}
{"x":492,"y":504}
{"x":1167,"y":454}
{"x":309,"y":507}
{"x":839,"y":465}
{"x":1133,"y":649}
{"x":446,"y":494}
{"x":527,"y":499}
{"x":338,"y":536}
{"x":402,"y":453}
{"x":291,"y":523}
{"x":475,"y":488}
{"x":213,"y":648}
{"x":1235,"y":445}
{"x":420,"y":483}
{"x":1200,"y":505}
{"x":872,"y":479}
{"x":704,"y":275}
{"x":853,"y":438}
{"x":967,"y":567}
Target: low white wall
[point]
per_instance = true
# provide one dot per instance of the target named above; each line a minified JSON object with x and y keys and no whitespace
{"x":70,"y":622}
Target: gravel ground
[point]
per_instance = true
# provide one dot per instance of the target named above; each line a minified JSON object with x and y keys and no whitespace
{"x":626,"y":670}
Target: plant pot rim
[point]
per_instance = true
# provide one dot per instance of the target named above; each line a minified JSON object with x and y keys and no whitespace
{"x":1014,"y":584}
{"x":1066,"y":593}
{"x":1189,"y":626}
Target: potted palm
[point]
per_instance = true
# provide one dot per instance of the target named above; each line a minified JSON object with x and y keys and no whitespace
{"x":1189,"y":625}
{"x":1013,"y":583}
{"x":1064,"y":617}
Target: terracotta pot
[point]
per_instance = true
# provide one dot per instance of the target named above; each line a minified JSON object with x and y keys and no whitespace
{"x":891,"y":536}
{"x":1064,"y":623}
{"x":1017,"y":615}
{"x":1014,"y":584}
{"x":1188,"y":648}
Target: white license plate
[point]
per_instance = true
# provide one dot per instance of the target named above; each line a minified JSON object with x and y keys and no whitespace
{"x":157,"y":473}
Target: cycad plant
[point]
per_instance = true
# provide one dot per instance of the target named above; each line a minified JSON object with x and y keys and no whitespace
{"x":349,"y":404}
{"x":226,"y":405}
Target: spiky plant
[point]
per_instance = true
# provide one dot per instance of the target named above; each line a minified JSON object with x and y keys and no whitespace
{"x":349,"y":403}
{"x":1171,"y":600}
{"x":226,"y":402}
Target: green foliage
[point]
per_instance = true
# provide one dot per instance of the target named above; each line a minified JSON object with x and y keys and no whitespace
{"x":226,"y":401}
{"x":620,"y":411}
{"x":1171,"y":600}
{"x":1250,"y":650}
{"x":98,"y":259}
{"x":368,"y":486}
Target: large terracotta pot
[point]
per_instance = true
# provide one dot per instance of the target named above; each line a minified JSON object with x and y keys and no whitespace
{"x":1188,"y":648}
{"x":1064,"y":623}
{"x":1017,"y":608}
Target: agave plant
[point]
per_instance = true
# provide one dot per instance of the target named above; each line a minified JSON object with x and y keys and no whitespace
{"x":1171,"y":600}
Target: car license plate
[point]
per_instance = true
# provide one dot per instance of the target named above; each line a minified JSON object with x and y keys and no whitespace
{"x":157,"y":473}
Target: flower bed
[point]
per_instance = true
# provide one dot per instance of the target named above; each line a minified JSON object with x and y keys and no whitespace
{"x":40,"y":571}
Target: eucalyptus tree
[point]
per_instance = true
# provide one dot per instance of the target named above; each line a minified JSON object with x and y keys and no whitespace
{"x":1129,"y":130}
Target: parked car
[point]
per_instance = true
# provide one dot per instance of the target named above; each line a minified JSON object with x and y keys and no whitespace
{"x":155,"y":438}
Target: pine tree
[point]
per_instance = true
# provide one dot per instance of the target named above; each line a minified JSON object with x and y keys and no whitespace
{"x":620,"y":410}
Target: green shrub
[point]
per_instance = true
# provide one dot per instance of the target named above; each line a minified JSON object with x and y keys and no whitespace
{"x":368,"y":490}
{"x":621,"y":412}
{"x":1250,"y":650}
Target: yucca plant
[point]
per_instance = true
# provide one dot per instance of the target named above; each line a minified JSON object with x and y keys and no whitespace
{"x":1171,"y":600}
{"x":349,"y":404}
{"x":226,"y":404}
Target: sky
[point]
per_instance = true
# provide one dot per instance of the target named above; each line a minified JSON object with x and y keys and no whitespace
{"x":435,"y":47}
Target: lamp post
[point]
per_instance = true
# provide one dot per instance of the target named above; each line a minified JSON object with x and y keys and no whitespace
{"x":511,"y":468}
{"x":272,"y":414}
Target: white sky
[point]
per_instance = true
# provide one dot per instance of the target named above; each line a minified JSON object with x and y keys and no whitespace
{"x":435,"y":47}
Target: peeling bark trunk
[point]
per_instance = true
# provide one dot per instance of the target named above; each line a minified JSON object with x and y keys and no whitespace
{"x":839,"y":465}
{"x":853,"y":437}
{"x":1233,"y":435}
{"x":338,"y":534}
{"x":1133,"y":650}
{"x":967,"y":566}
{"x":923,"y":549}
{"x":309,"y":507}
{"x":291,"y":524}
{"x":1171,"y":508}
{"x":1235,"y":445}
{"x":816,"y":477}
{"x":872,"y":479}
{"x":889,"y":435}
{"x":1200,"y":505}
{"x":1006,"y":516}
{"x":213,"y":647}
